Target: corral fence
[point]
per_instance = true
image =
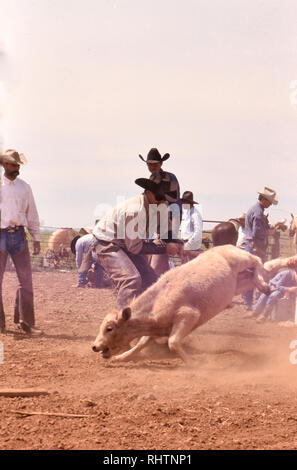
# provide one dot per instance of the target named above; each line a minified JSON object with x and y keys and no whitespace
{"x":279,"y":242}
{"x":60,"y":257}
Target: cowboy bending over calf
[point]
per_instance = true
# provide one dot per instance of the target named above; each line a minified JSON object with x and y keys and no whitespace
{"x":18,"y":211}
{"x":120,"y":240}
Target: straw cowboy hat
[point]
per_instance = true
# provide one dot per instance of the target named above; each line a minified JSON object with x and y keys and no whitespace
{"x":242,"y":216}
{"x":12,"y":156}
{"x":161,"y":190}
{"x":187,"y":198}
{"x":154,"y":156}
{"x":269,"y":194}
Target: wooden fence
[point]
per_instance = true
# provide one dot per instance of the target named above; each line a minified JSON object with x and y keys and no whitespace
{"x":280,"y":244}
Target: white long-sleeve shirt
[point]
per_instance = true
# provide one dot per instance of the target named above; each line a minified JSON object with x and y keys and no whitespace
{"x":191,"y":228}
{"x":241,"y":241}
{"x":132,"y":222}
{"x":18,"y":207}
{"x":126,"y":225}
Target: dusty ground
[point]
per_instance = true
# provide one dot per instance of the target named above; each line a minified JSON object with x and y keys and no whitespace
{"x":241,"y":393}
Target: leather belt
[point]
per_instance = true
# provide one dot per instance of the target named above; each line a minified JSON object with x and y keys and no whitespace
{"x":12,"y":229}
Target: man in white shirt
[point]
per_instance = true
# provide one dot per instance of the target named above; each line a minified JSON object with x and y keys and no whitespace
{"x":191,"y":226}
{"x":17,"y":211}
{"x":123,"y":236}
{"x":241,"y":240}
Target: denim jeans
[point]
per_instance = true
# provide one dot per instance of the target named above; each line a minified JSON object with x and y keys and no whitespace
{"x":16,"y":245}
{"x":83,"y":276}
{"x":261,"y":253}
{"x":130,"y":273}
{"x":248,"y":295}
{"x":265,"y":303}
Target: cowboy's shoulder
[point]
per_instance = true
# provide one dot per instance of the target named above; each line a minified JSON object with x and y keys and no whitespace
{"x":22,"y":182}
{"x":132,"y":204}
{"x":85,"y":239}
{"x":23,"y":185}
{"x":253,"y":209}
{"x":167,"y":174}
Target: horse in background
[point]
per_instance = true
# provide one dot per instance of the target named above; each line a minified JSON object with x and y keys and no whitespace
{"x":227,"y":232}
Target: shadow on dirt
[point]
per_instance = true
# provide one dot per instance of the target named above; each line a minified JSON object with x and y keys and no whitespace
{"x":159,"y":357}
{"x":235,"y":333}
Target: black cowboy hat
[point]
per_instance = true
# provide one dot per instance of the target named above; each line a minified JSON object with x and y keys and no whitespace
{"x":73,"y":243}
{"x":160,"y":190}
{"x":154,"y":156}
{"x":187,"y":198}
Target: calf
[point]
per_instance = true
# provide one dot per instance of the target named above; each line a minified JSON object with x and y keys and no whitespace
{"x":180,"y":301}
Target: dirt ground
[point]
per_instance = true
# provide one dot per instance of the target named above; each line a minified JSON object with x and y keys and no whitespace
{"x":239,"y":394}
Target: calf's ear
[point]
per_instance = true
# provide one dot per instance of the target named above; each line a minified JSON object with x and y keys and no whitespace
{"x":126,"y":313}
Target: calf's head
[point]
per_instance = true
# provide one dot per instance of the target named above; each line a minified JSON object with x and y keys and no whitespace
{"x":112,"y":336}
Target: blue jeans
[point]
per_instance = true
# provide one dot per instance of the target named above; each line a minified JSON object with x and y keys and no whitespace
{"x":12,"y":243}
{"x":15,"y":245}
{"x":248,"y":295}
{"x":148,"y":275}
{"x":130,"y":273}
{"x":265,"y":303}
{"x":83,"y":276}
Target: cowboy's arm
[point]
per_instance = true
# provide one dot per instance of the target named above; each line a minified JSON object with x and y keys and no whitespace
{"x":32,"y":216}
{"x":79,"y":254}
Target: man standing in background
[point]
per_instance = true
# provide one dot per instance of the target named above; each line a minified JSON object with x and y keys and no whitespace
{"x":256,"y":232}
{"x":18,"y":210}
{"x":154,"y":161}
{"x":191,"y":226}
{"x":241,"y":240}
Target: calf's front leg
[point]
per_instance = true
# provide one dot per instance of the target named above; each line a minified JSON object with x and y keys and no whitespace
{"x":144,"y":341}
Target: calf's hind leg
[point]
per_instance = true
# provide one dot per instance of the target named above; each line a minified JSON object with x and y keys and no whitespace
{"x":186,"y":320}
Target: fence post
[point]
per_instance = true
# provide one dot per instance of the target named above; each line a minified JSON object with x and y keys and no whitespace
{"x":275,"y":245}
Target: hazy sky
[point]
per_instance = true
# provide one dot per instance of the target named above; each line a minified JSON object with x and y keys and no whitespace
{"x":91,"y":84}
